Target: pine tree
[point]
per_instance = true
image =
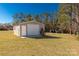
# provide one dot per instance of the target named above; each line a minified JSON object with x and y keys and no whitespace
{"x":65,"y":17}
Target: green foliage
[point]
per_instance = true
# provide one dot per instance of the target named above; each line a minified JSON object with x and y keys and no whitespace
{"x":65,"y":17}
{"x":47,"y":22}
{"x":37,"y":18}
{"x":18,"y":18}
{"x":29,"y":18}
{"x":63,"y":21}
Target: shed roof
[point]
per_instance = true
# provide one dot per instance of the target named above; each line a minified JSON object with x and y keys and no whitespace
{"x":30,"y":22}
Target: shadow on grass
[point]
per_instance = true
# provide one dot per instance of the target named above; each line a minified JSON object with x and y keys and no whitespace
{"x":46,"y":37}
{"x":77,"y":38}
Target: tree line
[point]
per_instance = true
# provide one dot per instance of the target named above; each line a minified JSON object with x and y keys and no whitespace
{"x":64,"y":20}
{"x":6,"y":26}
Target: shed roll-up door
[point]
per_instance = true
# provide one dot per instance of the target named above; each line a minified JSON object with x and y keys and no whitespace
{"x":33,"y":29}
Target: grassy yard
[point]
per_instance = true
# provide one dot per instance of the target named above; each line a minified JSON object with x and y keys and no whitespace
{"x":51,"y":44}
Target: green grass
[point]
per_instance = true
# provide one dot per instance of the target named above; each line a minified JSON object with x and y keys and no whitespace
{"x":49,"y":45}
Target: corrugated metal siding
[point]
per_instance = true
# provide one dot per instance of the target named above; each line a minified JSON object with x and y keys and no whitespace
{"x":23,"y":27}
{"x":16,"y":30}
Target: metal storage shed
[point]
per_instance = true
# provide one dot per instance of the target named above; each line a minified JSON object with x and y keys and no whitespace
{"x":30,"y":28}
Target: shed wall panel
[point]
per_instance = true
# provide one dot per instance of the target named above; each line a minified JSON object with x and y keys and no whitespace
{"x":17,"y":30}
{"x":23,"y":27}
